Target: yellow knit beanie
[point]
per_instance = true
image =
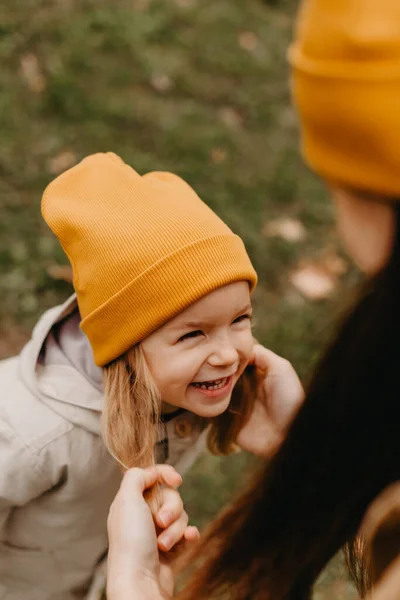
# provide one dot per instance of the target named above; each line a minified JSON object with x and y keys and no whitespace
{"x":346,"y":83}
{"x":142,"y":249}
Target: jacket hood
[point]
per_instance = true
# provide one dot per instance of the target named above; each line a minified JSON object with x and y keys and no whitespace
{"x":57,"y":380}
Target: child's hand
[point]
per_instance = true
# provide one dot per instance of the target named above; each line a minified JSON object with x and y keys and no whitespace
{"x":279,"y":399}
{"x":176,"y":537}
{"x":171,"y":518}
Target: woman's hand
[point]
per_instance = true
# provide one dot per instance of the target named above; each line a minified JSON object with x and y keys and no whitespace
{"x":279,"y":399}
{"x":135,"y":568}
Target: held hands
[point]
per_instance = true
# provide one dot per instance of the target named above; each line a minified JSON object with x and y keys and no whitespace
{"x":280,"y":396}
{"x":139,"y":566}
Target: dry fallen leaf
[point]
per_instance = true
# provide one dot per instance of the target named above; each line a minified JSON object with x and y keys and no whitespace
{"x":313,"y":281}
{"x":60,"y":272}
{"x":291,"y":230}
{"x":218,"y":155}
{"x":32,"y":73}
{"x":230,"y":117}
{"x":161,"y":82}
{"x":61,"y":162}
{"x":248,"y":40}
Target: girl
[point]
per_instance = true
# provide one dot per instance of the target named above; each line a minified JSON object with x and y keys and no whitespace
{"x":343,"y":448}
{"x":155,"y":341}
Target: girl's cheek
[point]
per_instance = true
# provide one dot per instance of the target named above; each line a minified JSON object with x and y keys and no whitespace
{"x":247,"y":344}
{"x":190,"y":363}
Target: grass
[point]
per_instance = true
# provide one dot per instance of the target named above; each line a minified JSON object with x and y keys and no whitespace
{"x":196,"y":87}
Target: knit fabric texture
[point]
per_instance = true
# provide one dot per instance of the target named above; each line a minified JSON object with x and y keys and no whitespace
{"x":142,"y":249}
{"x":346,"y":84}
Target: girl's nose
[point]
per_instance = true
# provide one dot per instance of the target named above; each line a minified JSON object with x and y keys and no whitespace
{"x":223,"y":355}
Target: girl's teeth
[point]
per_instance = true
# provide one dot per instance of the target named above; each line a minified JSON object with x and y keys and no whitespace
{"x":212,"y":385}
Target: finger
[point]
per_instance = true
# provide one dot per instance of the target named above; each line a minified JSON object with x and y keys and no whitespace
{"x":265,"y":359}
{"x":168,"y":476}
{"x":171,"y":508}
{"x":192,"y":534}
{"x":173,"y":534}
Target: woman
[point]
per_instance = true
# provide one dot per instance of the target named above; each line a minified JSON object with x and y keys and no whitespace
{"x":343,"y":448}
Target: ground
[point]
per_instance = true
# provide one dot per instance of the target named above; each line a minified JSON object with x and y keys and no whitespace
{"x":198,"y":87}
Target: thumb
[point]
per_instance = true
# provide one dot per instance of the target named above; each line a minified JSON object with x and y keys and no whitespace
{"x":136,"y":481}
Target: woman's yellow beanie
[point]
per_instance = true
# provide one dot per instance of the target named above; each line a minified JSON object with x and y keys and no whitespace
{"x":142,"y":249}
{"x":346,"y":84}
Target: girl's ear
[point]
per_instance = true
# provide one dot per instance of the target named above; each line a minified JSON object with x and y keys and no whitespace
{"x":225,"y":428}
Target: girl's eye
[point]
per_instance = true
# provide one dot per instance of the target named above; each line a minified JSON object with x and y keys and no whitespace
{"x":191,"y":334}
{"x":246,"y":317}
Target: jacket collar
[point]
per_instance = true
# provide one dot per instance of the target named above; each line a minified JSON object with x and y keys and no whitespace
{"x":59,"y":382}
{"x":45,"y":324}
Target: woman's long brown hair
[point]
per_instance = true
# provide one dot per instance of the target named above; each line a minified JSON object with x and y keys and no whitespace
{"x":341,"y":451}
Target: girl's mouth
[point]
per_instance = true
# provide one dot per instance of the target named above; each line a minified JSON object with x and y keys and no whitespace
{"x":213,"y":388}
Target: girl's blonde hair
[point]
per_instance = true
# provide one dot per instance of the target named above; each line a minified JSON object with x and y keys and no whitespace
{"x":133,"y":407}
{"x":131,"y":411}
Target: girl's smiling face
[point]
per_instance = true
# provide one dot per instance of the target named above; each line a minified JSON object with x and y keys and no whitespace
{"x":197,"y":357}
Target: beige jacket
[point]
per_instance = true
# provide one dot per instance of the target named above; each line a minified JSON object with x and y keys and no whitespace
{"x":56,"y":479}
